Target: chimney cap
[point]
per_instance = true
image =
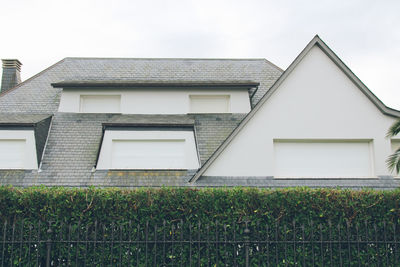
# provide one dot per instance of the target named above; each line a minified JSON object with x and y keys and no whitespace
{"x":12,"y":63}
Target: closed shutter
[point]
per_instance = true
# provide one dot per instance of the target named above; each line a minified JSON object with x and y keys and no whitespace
{"x":100,"y":104}
{"x":12,"y":154}
{"x":322,"y":159}
{"x":209,"y":103}
{"x":148,"y":154}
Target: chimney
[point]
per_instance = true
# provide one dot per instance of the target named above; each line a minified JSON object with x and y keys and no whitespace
{"x":11,"y":74}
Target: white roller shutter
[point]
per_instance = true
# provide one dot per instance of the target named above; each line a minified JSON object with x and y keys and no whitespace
{"x":148,"y":154}
{"x":100,"y":103}
{"x":209,"y":103}
{"x":12,"y":154}
{"x":322,"y":159}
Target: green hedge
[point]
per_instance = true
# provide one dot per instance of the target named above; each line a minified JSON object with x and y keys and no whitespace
{"x":205,"y":205}
{"x":332,"y":222}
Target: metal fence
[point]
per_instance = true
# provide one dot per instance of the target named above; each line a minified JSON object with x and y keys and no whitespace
{"x":184,"y":244}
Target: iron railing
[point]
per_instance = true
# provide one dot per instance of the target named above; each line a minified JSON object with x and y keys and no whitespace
{"x":174,"y":243}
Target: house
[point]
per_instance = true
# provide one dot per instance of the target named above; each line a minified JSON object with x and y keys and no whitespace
{"x":194,"y":122}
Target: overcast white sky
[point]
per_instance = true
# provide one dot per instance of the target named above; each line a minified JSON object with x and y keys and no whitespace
{"x":365,"y":34}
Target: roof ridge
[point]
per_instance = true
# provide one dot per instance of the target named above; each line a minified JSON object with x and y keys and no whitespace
{"x":172,"y":58}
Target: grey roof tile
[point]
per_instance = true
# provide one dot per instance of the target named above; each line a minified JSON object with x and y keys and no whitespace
{"x":36,"y":95}
{"x":75,"y":139}
{"x":22,"y":118}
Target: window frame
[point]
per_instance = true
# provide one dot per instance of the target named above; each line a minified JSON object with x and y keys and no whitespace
{"x":210,"y":96}
{"x":83,"y":96}
{"x":191,"y":157}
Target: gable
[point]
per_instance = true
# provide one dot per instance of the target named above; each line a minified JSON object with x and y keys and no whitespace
{"x":314,"y":100}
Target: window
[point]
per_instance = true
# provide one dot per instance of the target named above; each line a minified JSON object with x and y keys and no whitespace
{"x":100,"y":103}
{"x":148,"y":154}
{"x":395,"y":144}
{"x":12,"y":154}
{"x":17,"y":149}
{"x":209,"y":103}
{"x":320,"y":158}
{"x":143,"y":149}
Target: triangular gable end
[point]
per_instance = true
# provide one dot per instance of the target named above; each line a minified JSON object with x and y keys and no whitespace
{"x":316,"y":41}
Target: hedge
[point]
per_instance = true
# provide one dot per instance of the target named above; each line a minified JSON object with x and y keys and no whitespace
{"x":284,"y":214}
{"x":194,"y":205}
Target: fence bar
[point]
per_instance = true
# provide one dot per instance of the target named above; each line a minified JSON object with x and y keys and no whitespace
{"x":48,"y":245}
{"x":294,"y":243}
{"x":38,"y":244}
{"x":322,"y":245}
{"x":21,"y":240}
{"x":146,"y":243}
{"x":4,"y":243}
{"x":198,"y":244}
{"x":120,"y":245}
{"x":246,"y":242}
{"x":12,"y":244}
{"x":395,"y":242}
{"x":367,"y":239}
{"x":155,"y":245}
{"x":229,"y":244}
{"x":358,"y":246}
{"x":377,"y":245}
{"x":385,"y":240}
{"x":330,"y":242}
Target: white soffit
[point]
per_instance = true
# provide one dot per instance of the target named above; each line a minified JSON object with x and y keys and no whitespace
{"x":137,"y":150}
{"x":209,"y":103}
{"x":17,"y":149}
{"x":100,"y":103}
{"x":323,"y":159}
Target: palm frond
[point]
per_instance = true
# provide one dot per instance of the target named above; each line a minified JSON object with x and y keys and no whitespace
{"x":393,"y":161}
{"x":394,"y":129}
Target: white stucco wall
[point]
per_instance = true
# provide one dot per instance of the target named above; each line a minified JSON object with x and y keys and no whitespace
{"x":191,"y":160}
{"x":155,"y":101}
{"x":29,"y":160}
{"x":317,"y":101}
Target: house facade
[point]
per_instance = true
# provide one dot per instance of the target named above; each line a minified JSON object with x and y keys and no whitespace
{"x":194,"y":122}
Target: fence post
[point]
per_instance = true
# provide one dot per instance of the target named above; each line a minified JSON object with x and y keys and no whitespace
{"x":247,"y":242}
{"x":48,"y":243}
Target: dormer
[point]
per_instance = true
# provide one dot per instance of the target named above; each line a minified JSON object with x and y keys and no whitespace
{"x":155,"y":97}
{"x":22,"y":140}
{"x":162,"y":145}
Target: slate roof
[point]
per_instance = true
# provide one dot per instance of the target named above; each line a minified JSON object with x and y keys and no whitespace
{"x":36,"y":95}
{"x":75,"y":138}
{"x":21,"y":118}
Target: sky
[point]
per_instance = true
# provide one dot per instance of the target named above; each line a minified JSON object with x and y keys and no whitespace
{"x":364,"y":34}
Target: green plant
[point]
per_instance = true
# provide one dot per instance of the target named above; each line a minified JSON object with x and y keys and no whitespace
{"x":393,"y":162}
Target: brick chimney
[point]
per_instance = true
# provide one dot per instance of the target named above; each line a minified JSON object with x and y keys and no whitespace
{"x":11,"y":74}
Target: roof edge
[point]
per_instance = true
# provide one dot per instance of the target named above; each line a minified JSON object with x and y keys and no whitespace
{"x":31,"y":78}
{"x":168,"y":58}
{"x":133,"y":83}
{"x":354,"y":78}
{"x":147,"y":125}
